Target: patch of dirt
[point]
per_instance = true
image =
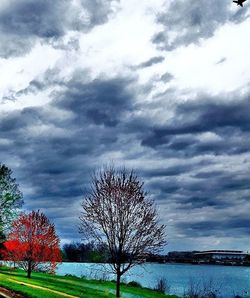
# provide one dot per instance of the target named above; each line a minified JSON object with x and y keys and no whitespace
{"x":9,"y":293}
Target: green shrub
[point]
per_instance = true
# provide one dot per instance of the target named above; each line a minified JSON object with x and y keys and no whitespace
{"x":134,"y":284}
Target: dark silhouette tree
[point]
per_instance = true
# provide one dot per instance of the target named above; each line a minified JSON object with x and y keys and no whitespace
{"x":10,"y":198}
{"x":33,"y":243}
{"x":117,"y":211}
{"x":86,"y":252}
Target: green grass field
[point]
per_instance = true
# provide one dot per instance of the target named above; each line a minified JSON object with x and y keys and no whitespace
{"x":43,"y":285}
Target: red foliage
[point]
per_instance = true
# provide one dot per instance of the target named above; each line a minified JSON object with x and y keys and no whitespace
{"x":33,"y":243}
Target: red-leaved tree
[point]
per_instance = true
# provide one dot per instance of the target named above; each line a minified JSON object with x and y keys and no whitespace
{"x":33,"y":243}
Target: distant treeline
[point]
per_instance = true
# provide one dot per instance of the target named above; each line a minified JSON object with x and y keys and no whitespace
{"x":91,"y":252}
{"x":209,"y":257}
{"x":85,"y":252}
{"x":202,"y":257}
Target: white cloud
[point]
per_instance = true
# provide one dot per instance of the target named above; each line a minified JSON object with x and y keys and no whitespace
{"x":194,"y":67}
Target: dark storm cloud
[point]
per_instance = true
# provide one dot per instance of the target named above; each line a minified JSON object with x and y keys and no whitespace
{"x":219,"y":182}
{"x":190,"y":145}
{"x":100,"y":102}
{"x":12,"y":122}
{"x":98,"y":11}
{"x":212,"y":186}
{"x":36,"y":18}
{"x":219,"y":190}
{"x":227,"y":226}
{"x":151,"y":61}
{"x":212,"y":115}
{"x":164,"y":186}
{"x":169,"y":171}
{"x":39,"y":84}
{"x":166,"y":77}
{"x":222,"y":60}
{"x":23,"y":21}
{"x":192,"y":21}
{"x":55,"y":148}
{"x":189,"y":203}
{"x":59,"y":153}
{"x":228,"y":121}
{"x":207,"y":175}
{"x":33,"y":87}
{"x":95,"y":108}
{"x":216,"y":126}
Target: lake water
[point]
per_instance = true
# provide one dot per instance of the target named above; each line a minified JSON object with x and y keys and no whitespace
{"x":227,"y":281}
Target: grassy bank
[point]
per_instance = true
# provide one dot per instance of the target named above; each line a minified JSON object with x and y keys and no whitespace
{"x":44,"y":285}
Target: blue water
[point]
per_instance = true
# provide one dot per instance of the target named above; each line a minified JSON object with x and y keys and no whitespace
{"x":226,"y":281}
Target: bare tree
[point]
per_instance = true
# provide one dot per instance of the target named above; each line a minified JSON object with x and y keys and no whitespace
{"x":118,"y":211}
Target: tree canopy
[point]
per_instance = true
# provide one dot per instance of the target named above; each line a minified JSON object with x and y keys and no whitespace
{"x":33,"y":243}
{"x":10,"y":197}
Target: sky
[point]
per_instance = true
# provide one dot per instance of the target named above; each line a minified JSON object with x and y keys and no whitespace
{"x":160,"y":86}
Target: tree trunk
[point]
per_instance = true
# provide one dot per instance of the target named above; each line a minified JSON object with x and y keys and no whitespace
{"x":118,"y":282}
{"x":29,"y":269}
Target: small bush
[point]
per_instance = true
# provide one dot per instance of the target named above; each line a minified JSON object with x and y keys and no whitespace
{"x":199,"y":289}
{"x":103,"y":277}
{"x":162,"y":285}
{"x":70,"y":275}
{"x":243,"y":295}
{"x":134,"y":284}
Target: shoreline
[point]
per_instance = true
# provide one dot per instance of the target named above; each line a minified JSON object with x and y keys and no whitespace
{"x":172,"y":263}
{"x":41,"y":284}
